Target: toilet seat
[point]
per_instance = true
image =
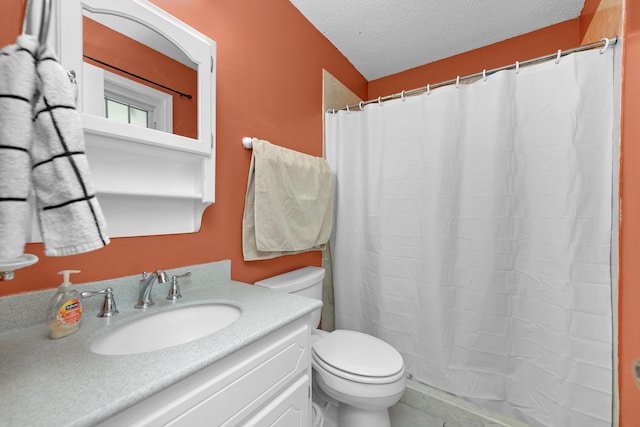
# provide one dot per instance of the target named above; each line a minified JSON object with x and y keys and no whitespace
{"x":358,"y":357}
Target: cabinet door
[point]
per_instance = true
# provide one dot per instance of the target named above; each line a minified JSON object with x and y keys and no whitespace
{"x":292,"y":408}
{"x":250,"y":385}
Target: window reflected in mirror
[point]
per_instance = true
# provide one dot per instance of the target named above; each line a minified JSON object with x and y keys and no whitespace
{"x":127,"y":113}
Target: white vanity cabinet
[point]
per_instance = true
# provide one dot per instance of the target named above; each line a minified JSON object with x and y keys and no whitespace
{"x":266,"y":383}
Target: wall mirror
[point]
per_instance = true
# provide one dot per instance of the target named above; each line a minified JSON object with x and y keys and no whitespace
{"x":146,"y":92}
{"x":135,"y":75}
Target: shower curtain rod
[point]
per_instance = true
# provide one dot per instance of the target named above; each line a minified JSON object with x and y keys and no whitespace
{"x":604,"y":44}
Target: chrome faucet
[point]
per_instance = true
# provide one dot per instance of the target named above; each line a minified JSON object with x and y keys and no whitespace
{"x":108,"y":306}
{"x":147,"y":280}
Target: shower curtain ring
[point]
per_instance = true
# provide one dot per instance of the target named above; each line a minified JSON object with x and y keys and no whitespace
{"x":402,"y":96}
{"x":457,"y":82}
{"x":558,"y":57}
{"x":361,"y":105}
{"x":429,"y":89}
{"x":379,"y":101}
{"x":606,"y":45}
{"x":484,"y":75}
{"x":348,"y":111}
{"x":517,"y":67}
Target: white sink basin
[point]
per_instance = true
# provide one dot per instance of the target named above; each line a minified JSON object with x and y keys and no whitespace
{"x":166,"y":329}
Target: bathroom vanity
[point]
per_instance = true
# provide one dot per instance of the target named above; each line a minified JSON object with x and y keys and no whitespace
{"x":266,"y":383}
{"x":255,"y":371}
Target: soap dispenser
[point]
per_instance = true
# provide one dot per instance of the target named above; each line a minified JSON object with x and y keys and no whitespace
{"x":65,"y":309}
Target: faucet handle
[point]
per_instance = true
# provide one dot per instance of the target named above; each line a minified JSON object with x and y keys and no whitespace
{"x":174,"y":290}
{"x":109,"y":304}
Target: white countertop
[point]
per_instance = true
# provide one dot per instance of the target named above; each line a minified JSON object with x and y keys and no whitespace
{"x":46,"y":382}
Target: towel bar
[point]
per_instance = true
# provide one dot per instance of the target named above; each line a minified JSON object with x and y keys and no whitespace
{"x":247,"y":142}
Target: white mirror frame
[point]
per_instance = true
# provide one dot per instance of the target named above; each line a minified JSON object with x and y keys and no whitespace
{"x":148,"y":182}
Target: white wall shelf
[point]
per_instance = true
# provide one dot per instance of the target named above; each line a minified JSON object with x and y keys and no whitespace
{"x":148,"y":182}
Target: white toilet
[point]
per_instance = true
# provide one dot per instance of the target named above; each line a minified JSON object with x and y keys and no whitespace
{"x":362,"y":374}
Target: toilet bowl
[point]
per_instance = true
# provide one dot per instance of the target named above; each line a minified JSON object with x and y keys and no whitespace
{"x":361,"y":374}
{"x":317,"y":418}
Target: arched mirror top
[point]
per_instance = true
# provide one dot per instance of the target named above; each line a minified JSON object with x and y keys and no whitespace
{"x":141,"y":31}
{"x":141,"y":68}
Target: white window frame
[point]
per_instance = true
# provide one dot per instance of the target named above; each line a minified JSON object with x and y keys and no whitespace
{"x":159,"y":104}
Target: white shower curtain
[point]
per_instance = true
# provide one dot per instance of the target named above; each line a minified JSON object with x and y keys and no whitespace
{"x":473,"y":233}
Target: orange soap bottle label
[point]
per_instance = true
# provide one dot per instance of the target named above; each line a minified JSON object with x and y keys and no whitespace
{"x":69,"y":313}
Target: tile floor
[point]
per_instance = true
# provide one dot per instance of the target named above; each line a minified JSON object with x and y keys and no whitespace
{"x":403,"y":415}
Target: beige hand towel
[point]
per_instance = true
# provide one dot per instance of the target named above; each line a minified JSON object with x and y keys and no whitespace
{"x":288,"y":205}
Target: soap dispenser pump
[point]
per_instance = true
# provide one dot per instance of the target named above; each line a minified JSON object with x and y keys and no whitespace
{"x":65,"y":309}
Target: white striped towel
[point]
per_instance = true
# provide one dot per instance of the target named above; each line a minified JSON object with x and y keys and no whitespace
{"x":42,"y":144}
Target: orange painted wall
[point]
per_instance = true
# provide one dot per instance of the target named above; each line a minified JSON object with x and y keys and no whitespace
{"x":111,"y":47}
{"x":269,"y":85}
{"x":629,"y":314}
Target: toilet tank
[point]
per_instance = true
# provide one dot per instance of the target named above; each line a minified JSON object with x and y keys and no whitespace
{"x":306,"y":282}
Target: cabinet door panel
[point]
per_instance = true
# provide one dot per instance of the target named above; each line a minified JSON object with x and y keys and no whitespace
{"x":292,"y":408}
{"x":231,"y":390}
{"x":245,"y":390}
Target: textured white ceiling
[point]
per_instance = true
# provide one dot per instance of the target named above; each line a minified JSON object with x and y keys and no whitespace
{"x":383,"y":37}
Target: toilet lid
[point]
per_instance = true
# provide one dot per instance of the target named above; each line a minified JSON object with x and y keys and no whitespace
{"x":359,"y":354}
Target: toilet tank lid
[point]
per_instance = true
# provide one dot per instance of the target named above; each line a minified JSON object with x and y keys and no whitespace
{"x":295,"y":280}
